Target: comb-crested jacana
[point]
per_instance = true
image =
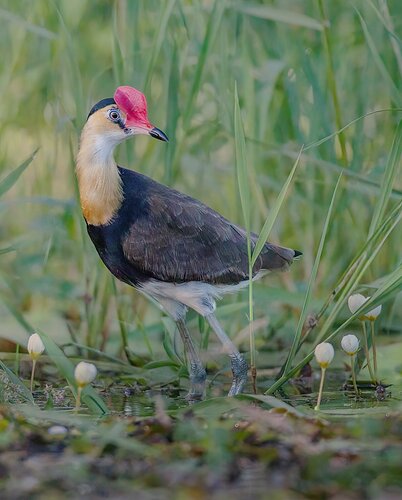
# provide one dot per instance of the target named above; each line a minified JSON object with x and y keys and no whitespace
{"x":164,"y":243}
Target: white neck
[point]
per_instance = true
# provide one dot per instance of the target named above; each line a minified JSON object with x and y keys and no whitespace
{"x":99,"y":180}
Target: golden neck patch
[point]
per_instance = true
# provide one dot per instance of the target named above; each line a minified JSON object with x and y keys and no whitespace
{"x":99,"y":181}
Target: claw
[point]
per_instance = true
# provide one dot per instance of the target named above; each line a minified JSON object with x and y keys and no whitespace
{"x":194,"y":397}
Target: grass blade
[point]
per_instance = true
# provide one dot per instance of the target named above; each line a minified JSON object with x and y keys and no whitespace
{"x":212,"y":28}
{"x":272,"y":402}
{"x":394,"y":92}
{"x":160,"y":38}
{"x":331,"y":82}
{"x":386,"y":19}
{"x":173,"y":114}
{"x":26,"y":25}
{"x":168,"y":344}
{"x":24,"y":391}
{"x":280,"y":15}
{"x":270,"y":221}
{"x":314,"y":144}
{"x":66,"y":368}
{"x":8,"y":182}
{"x":18,"y":316}
{"x":244,"y":191}
{"x":7,"y":250}
{"x":389,"y":288}
{"x":362,"y":266}
{"x":241,"y":163}
{"x":392,"y":168}
{"x":313,"y":276}
{"x":360,"y":181}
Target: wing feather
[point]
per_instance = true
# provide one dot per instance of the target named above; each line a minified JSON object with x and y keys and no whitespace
{"x":176,"y":238}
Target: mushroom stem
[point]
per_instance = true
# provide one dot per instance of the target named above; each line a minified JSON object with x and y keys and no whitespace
{"x":352,"y":362}
{"x":33,"y":373}
{"x":78,"y":399}
{"x":367,"y":353}
{"x":317,"y":406}
{"x":374,"y":349}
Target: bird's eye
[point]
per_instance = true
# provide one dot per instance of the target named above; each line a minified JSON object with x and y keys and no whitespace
{"x":114,"y":115}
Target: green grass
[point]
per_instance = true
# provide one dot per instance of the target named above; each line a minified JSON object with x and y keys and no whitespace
{"x":317,"y":95}
{"x":278,"y":55}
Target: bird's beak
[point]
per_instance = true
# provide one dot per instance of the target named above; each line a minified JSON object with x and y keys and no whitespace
{"x":158,"y":134}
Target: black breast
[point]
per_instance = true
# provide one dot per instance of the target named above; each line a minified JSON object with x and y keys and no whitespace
{"x":107,"y":239}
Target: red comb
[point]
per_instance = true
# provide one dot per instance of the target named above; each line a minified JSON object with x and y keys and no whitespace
{"x":133,"y":103}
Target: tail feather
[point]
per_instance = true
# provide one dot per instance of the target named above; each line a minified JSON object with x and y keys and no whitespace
{"x":278,"y":258}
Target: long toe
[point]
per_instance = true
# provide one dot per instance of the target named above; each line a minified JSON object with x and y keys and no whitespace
{"x":194,"y":396}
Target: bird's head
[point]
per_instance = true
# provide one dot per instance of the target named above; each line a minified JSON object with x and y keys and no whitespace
{"x":109,"y":123}
{"x":119,"y":117}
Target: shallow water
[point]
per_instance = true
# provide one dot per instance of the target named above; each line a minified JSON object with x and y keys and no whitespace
{"x":127,"y":404}
{"x":336,"y":399}
{"x":124,"y":400}
{"x":340,"y":400}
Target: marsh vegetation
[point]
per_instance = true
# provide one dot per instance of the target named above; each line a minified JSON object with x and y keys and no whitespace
{"x":283,"y":116}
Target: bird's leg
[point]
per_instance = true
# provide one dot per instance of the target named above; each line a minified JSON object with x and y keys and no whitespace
{"x":197,"y":372}
{"x":239,"y":364}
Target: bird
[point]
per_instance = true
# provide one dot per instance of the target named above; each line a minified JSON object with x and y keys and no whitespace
{"x":171,"y":247}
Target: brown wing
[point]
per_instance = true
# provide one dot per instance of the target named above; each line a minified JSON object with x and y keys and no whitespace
{"x":178,"y":239}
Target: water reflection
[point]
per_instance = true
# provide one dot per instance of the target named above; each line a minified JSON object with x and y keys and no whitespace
{"x":338,"y":399}
{"x":137,"y":404}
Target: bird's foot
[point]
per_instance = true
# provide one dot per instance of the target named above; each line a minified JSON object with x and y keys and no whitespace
{"x":239,"y":370}
{"x":198,"y":377}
